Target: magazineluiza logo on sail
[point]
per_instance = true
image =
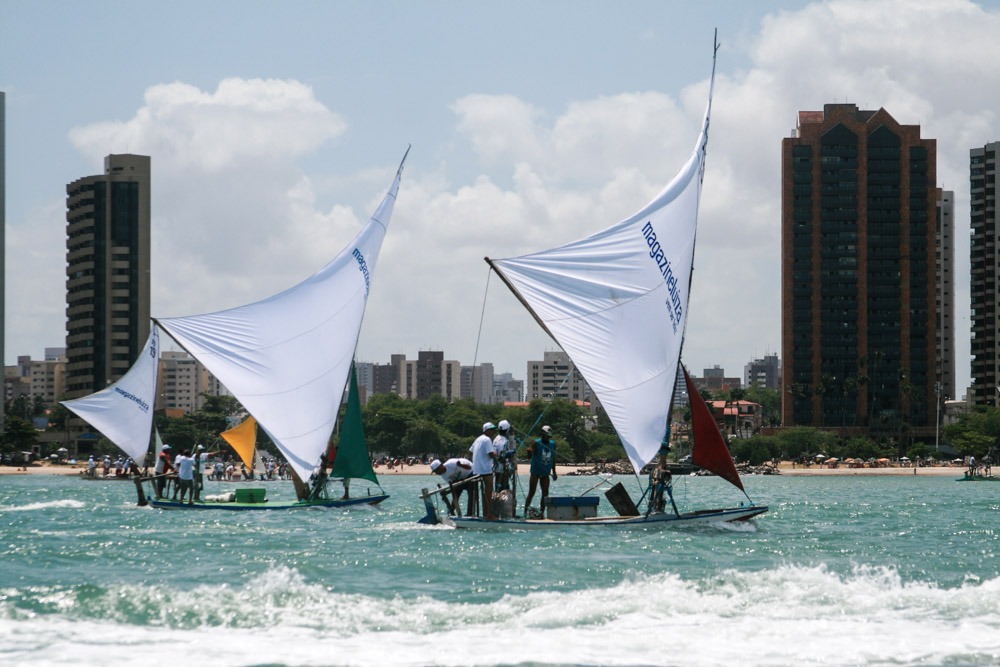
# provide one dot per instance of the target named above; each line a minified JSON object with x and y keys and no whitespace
{"x":363,"y":267}
{"x":674,"y":306}
{"x":143,"y":405}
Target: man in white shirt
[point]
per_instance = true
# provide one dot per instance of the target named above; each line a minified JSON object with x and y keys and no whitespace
{"x":185,"y":475}
{"x":505,"y":446}
{"x":483,"y":455}
{"x":454,"y":470}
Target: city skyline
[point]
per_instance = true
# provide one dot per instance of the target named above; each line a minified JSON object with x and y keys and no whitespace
{"x":265,"y":160}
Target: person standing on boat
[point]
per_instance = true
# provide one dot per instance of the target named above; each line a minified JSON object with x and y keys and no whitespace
{"x":455,"y":470}
{"x":200,"y":464}
{"x":483,"y":456}
{"x":543,"y":464}
{"x":185,"y":475}
{"x":163,"y":468}
{"x":504,"y":446}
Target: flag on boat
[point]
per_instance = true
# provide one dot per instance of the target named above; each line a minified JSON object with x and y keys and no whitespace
{"x":243,"y":439}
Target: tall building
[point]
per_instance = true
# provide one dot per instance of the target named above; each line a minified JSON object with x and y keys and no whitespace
{"x":859,"y":275}
{"x":944,"y":258}
{"x":555,"y":376}
{"x":478,"y":383}
{"x":182,"y":383}
{"x":984,"y":265}
{"x":384,"y":376}
{"x":3,"y":234}
{"x":44,"y":379}
{"x":506,"y":389}
{"x":764,"y":372}
{"x":427,"y":375}
{"x":107,"y":272}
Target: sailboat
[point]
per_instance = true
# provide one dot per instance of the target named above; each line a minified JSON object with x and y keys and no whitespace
{"x":288,"y":359}
{"x":617,"y":303}
{"x":123,"y":411}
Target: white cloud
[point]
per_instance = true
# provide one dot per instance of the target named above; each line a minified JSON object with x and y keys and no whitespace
{"x":234,"y":218}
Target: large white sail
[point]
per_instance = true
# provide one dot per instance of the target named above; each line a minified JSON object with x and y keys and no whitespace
{"x":123,"y":411}
{"x":617,"y":304}
{"x":287,"y":358}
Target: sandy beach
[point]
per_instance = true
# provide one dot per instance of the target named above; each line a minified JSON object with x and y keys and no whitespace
{"x":785,"y":467}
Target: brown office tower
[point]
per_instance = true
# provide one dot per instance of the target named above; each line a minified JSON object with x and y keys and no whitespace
{"x":859,"y":212}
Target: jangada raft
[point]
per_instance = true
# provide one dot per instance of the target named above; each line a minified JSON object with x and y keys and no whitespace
{"x":287,"y":359}
{"x":617,"y":302}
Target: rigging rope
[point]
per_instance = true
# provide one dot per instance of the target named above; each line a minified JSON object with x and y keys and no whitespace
{"x":482,"y":316}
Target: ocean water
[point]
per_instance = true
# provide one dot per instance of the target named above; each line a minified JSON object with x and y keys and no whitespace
{"x":842,"y":571}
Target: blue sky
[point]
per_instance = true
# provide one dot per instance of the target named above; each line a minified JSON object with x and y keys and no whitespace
{"x":274,"y":129}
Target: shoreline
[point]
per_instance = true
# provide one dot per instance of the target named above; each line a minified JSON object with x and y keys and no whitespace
{"x":785,"y":468}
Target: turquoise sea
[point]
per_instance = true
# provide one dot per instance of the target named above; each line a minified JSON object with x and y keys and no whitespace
{"x":842,"y":571}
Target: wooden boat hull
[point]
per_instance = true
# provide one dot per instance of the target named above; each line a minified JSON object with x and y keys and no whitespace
{"x":655,"y":520}
{"x":165,"y":504}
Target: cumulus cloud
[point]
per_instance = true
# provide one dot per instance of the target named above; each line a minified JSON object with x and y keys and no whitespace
{"x":234,"y":218}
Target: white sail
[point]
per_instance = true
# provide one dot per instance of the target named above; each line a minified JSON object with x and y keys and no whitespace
{"x":287,"y":358}
{"x":617,"y":304}
{"x":123,"y":411}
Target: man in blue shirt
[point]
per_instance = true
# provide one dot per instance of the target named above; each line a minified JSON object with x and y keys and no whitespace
{"x":543,"y":464}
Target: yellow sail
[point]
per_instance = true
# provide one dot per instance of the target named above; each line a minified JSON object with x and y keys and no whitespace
{"x":243,"y":439}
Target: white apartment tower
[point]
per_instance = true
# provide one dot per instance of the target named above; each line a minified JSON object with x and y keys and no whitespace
{"x":556,"y":377}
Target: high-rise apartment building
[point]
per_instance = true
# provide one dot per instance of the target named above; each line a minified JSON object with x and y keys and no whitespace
{"x":427,"y":375}
{"x":944,"y":258}
{"x":107,"y":272}
{"x":506,"y":389}
{"x":859,"y":274}
{"x":764,"y":372}
{"x":984,"y":265}
{"x":3,"y":233}
{"x":556,"y":376}
{"x":182,"y":383}
{"x":478,"y":383}
{"x":46,"y":377}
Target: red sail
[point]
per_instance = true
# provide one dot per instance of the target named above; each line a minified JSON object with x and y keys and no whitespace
{"x":710,"y":451}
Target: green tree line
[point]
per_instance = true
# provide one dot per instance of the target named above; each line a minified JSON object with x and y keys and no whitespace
{"x":399,"y":427}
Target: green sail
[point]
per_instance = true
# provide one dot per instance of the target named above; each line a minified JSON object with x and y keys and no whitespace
{"x":352,"y":459}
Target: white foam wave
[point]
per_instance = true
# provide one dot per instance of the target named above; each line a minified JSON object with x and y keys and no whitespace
{"x":52,"y":504}
{"x":789,"y":615}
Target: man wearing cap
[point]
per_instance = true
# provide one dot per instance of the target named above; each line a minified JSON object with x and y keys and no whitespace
{"x":543,"y":464}
{"x":185,"y":476}
{"x":483,"y":456}
{"x":454,"y":470}
{"x":162,"y":469}
{"x":504,"y":445}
